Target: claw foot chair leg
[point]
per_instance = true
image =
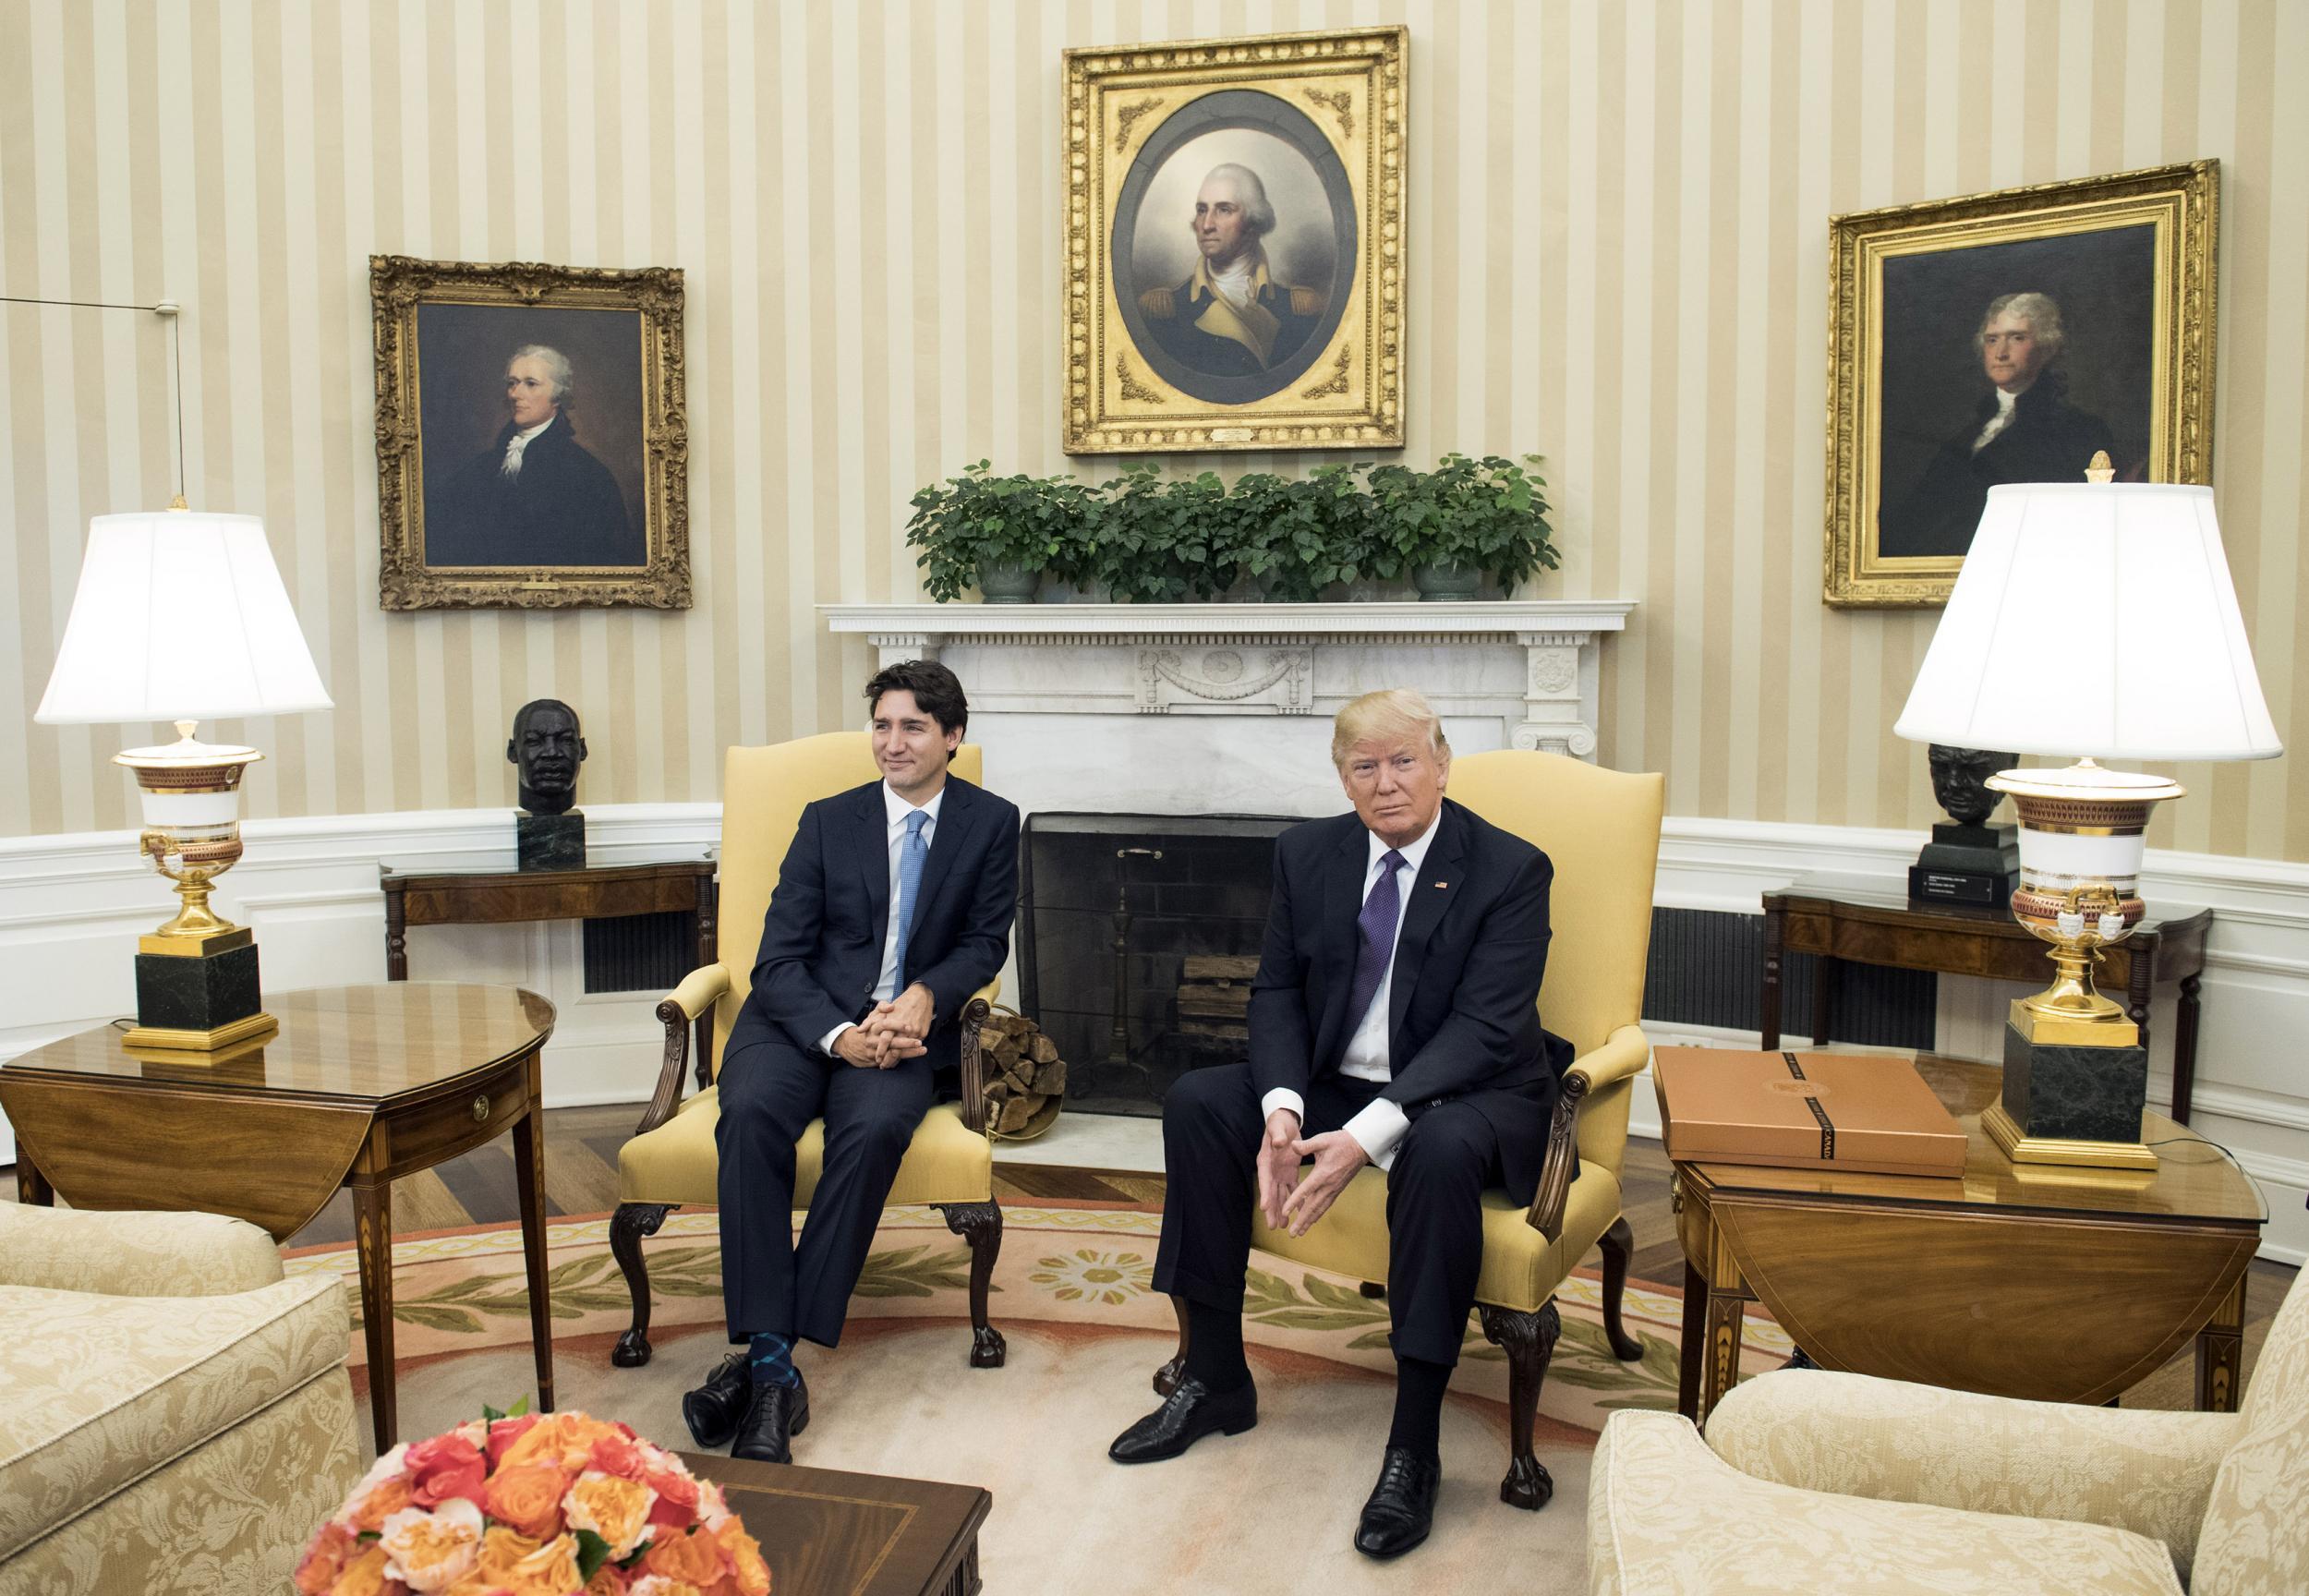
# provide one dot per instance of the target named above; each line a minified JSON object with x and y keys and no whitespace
{"x":1619,"y":1243}
{"x":627,"y":1227}
{"x":1528,"y":1339}
{"x":980,"y":1224}
{"x":1166,"y":1377}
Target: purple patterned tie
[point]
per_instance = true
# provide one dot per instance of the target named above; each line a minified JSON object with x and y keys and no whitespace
{"x":1377,"y":920}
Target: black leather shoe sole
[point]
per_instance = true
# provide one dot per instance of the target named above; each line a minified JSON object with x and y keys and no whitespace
{"x":1192,"y":1413}
{"x":712,"y":1411}
{"x":1379,"y":1544}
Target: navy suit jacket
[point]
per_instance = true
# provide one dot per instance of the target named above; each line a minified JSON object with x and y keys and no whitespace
{"x":1463,"y":1022}
{"x":822,"y":939}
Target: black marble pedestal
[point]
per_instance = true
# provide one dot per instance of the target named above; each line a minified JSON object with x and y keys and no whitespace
{"x":1967,"y":865}
{"x":2075,"y":1093}
{"x":203,"y":993}
{"x":549,"y":841}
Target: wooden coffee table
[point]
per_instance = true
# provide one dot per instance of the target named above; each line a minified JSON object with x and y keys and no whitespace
{"x":826,"y":1533}
{"x":2017,"y":1280}
{"x":362,"y":1085}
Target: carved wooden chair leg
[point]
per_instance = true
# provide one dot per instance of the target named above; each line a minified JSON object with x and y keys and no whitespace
{"x":1618,"y":1243}
{"x":627,"y":1227}
{"x":1528,"y":1339}
{"x":1166,"y":1377}
{"x":980,"y":1224}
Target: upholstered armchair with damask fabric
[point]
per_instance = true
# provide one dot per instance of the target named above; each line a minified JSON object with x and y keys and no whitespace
{"x":1813,"y":1482}
{"x":175,"y":1415}
{"x":1601,"y":829}
{"x":671,"y":1159}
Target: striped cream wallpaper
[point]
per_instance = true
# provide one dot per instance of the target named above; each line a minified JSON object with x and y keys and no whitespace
{"x":1618,"y":259}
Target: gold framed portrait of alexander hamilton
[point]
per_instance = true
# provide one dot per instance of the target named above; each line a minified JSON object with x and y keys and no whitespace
{"x":2010,"y":337}
{"x":532,"y":445}
{"x":1234,"y":244}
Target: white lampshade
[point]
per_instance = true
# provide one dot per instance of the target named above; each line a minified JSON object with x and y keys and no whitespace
{"x":2094,"y":619}
{"x":179,"y":616}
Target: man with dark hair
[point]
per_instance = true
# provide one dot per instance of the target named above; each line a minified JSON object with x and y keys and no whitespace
{"x":892,"y":907}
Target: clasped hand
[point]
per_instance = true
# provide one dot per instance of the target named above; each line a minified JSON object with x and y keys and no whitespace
{"x":894,"y":1032}
{"x":1336,"y":1157}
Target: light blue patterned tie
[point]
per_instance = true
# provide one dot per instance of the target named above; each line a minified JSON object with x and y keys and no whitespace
{"x":912,"y":855}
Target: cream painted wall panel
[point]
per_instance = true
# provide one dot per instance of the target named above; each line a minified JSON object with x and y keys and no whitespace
{"x":1617,"y":262}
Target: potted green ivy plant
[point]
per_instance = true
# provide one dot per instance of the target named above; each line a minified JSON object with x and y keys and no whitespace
{"x":1465,"y":520}
{"x":1002,"y":535}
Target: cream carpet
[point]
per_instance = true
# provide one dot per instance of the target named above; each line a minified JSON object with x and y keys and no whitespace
{"x":1272,"y":1510}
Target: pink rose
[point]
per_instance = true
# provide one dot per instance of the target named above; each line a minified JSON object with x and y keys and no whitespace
{"x":504,"y":1432}
{"x":442,"y":1468}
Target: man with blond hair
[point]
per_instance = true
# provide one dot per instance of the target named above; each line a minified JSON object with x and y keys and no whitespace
{"x":1394,"y":1022}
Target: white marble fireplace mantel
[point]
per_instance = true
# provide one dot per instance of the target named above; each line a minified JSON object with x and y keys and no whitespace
{"x":1174,"y":708}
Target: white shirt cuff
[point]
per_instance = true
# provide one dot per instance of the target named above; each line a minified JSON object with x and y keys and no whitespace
{"x":1283,"y":1098}
{"x":1378,"y":1129}
{"x":826,"y":1043}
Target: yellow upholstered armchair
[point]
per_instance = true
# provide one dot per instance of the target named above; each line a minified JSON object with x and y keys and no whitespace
{"x":671,"y":1159}
{"x":1601,"y":828}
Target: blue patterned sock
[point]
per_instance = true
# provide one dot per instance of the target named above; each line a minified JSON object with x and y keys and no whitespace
{"x":770,"y":1360}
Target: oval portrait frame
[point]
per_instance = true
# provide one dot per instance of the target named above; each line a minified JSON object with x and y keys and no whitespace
{"x":1256,"y":111}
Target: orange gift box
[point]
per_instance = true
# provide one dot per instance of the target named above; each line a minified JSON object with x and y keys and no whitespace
{"x":1804,"y":1111}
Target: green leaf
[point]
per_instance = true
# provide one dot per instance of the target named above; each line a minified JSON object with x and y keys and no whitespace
{"x":519,"y":1409}
{"x":592,"y":1552}
{"x":491,"y":1415}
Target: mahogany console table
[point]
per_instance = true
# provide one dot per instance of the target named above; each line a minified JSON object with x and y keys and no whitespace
{"x":495,"y":897}
{"x":1870,"y":925}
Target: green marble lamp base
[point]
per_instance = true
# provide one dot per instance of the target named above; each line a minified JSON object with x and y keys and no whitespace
{"x":2071,"y":1103}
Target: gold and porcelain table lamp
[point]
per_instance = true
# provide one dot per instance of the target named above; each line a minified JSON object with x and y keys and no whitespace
{"x":182,"y":617}
{"x":2091,"y":621}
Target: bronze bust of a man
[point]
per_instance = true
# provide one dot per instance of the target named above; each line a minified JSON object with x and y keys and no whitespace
{"x":547,"y":746}
{"x":1960,"y":777}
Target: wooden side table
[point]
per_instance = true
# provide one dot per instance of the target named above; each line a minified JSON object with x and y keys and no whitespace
{"x":2017,"y":1280}
{"x":360,"y":1086}
{"x":1840,"y":920}
{"x":495,"y":897}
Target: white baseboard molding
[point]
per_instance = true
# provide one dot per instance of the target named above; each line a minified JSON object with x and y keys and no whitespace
{"x":71,"y":907}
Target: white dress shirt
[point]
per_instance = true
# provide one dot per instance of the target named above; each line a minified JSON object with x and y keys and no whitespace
{"x":518,"y":445}
{"x":1379,"y":1125}
{"x":896,"y":809}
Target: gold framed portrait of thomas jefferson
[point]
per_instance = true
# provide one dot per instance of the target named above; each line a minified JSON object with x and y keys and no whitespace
{"x":2010,"y":337}
{"x":1234,"y":244}
{"x":532,"y":442}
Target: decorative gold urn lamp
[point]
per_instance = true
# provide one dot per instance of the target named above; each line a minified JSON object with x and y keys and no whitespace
{"x":2092,"y":620}
{"x":182,"y":617}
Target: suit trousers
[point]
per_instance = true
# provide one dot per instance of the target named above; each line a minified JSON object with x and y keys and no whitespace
{"x":770,"y":1093}
{"x":1212,"y":1129}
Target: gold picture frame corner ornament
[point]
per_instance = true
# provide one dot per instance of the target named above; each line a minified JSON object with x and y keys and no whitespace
{"x":1302,"y":350}
{"x":2129,"y":263}
{"x":572,"y":560}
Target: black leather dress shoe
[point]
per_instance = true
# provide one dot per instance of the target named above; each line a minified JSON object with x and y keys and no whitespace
{"x":1192,"y":1411}
{"x":1402,"y":1505}
{"x":712,"y":1412}
{"x":777,"y":1415}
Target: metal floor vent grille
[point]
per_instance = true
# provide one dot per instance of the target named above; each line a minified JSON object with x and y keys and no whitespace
{"x":640,"y":952}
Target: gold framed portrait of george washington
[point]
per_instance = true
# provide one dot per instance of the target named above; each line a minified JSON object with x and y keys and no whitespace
{"x":2010,"y":337}
{"x":532,"y":448}
{"x":1234,"y":244}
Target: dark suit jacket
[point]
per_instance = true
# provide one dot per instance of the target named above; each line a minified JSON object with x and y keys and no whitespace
{"x":2049,"y":441}
{"x":1172,"y":319}
{"x":564,"y":508}
{"x":1462,"y":1014}
{"x":822,"y":939}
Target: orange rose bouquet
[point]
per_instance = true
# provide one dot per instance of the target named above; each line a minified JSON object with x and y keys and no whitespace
{"x":521,"y":1503}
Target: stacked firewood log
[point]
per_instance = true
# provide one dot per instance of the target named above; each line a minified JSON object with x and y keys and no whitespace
{"x":1025,"y":1078}
{"x":1215,"y":998}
